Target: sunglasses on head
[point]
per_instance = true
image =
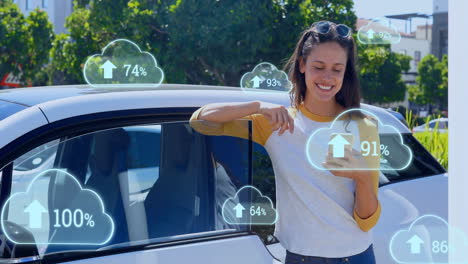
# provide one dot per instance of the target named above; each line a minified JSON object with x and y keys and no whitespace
{"x":323,"y":27}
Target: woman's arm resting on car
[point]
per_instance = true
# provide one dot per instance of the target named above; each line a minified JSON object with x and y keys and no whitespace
{"x":225,"y":112}
{"x":222,"y":119}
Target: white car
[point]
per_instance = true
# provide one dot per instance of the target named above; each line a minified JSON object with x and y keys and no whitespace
{"x":441,"y":123}
{"x":159,"y":186}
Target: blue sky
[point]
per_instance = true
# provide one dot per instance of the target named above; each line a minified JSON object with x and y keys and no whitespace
{"x":380,"y":8}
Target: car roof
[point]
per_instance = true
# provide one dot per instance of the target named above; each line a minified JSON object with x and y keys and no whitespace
{"x":443,"y":119}
{"x":43,"y":105}
{"x":41,"y":94}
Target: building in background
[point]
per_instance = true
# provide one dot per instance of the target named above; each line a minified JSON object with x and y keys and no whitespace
{"x":57,"y":10}
{"x":440,"y":28}
{"x":416,"y":44}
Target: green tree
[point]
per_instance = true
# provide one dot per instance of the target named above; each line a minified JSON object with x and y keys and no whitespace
{"x":199,"y":42}
{"x":40,"y":40}
{"x":432,"y":81}
{"x":443,"y":87}
{"x":380,"y":73}
{"x":415,"y":95}
{"x":340,"y":12}
{"x":69,"y":51}
{"x":93,"y":24}
{"x":24,"y":42}
{"x":13,"y":37}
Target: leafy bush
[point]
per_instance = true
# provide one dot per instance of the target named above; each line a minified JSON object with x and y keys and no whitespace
{"x":434,"y":141}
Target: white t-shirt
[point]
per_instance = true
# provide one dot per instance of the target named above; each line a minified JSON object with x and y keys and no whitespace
{"x":315,"y":208}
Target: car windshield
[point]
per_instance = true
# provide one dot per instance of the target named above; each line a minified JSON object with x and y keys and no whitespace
{"x":422,"y":165}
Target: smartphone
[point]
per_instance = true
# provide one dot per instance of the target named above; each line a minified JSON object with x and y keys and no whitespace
{"x":340,"y":145}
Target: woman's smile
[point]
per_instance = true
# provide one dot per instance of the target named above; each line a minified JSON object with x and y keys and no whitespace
{"x":325,"y":87}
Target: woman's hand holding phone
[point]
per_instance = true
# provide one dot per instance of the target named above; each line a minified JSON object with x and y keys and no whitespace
{"x":349,"y":166}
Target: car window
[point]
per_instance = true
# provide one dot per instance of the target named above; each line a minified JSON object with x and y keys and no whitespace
{"x":137,"y":184}
{"x":144,"y":161}
{"x":43,"y":155}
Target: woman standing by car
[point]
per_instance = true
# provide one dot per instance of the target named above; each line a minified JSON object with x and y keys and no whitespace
{"x":324,"y":216}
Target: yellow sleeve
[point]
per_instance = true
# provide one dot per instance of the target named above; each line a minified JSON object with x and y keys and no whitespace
{"x":261,"y":128}
{"x":368,"y":223}
{"x":369,"y":132}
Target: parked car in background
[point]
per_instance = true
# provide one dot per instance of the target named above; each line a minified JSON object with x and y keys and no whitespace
{"x":398,"y":116}
{"x":441,"y":124}
{"x":162,"y":183}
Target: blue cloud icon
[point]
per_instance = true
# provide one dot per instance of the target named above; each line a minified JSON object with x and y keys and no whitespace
{"x":427,"y":241}
{"x":122,"y":64}
{"x":81,"y":220}
{"x":249,"y":207}
{"x":378,"y":31}
{"x":266,"y":77}
{"x":345,"y":133}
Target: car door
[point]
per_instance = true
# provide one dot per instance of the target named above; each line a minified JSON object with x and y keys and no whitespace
{"x":416,"y":196}
{"x":149,"y":190}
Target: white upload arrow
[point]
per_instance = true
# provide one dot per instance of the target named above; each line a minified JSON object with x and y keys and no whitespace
{"x":338,"y":143}
{"x":415,"y":242}
{"x":108,"y":67}
{"x":370,"y":33}
{"x":239,"y":209}
{"x":35,"y":210}
{"x":256,"y":81}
